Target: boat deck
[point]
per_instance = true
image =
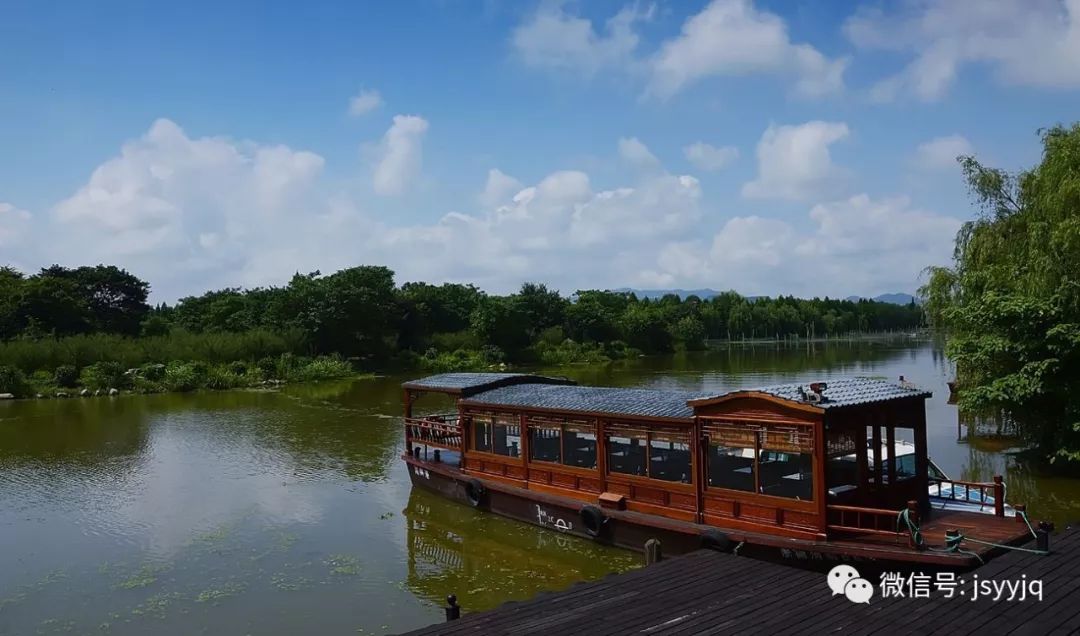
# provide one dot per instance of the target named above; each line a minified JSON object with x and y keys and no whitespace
{"x":973,"y":525}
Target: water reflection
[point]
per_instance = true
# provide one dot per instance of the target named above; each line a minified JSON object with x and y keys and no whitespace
{"x":486,"y":560}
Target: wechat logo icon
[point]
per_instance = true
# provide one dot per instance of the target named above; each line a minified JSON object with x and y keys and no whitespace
{"x":844,"y":579}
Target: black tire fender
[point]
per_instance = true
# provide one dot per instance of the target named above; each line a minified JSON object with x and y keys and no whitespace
{"x":715,"y":540}
{"x":593,"y":519}
{"x":475,"y":492}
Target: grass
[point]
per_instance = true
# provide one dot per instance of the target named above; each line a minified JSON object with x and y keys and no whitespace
{"x":176,"y":376}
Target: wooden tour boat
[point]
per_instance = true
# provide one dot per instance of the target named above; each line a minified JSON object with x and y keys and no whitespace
{"x":783,"y":471}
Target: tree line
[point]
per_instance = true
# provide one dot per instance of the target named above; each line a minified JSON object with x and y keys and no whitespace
{"x":361,"y":313}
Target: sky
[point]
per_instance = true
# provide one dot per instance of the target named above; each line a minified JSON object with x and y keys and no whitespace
{"x":770,"y":147}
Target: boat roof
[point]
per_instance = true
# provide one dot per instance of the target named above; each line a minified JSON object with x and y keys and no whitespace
{"x":839,"y":393}
{"x":466,"y":384}
{"x":521,"y":390}
{"x":592,"y":399}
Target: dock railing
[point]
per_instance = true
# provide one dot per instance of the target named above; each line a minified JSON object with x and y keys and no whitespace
{"x":985,"y":493}
{"x":442,"y":430}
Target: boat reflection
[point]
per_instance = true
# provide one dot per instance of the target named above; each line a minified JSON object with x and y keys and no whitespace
{"x":486,"y":560}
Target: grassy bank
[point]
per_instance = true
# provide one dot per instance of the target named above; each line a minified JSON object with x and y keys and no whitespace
{"x":109,"y":377}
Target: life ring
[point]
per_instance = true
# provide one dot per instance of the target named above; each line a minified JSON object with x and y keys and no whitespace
{"x":715,"y":540}
{"x":475,"y":491}
{"x":593,"y":519}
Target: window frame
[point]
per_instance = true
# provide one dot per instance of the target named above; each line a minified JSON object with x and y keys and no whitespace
{"x":806,"y":444}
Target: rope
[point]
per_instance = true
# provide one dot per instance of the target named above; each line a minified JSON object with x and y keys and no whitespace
{"x":736,"y":550}
{"x":913,"y":528}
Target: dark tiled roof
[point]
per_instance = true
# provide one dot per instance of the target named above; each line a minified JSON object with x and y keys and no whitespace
{"x":844,"y":392}
{"x":590,"y":399}
{"x":467,"y":384}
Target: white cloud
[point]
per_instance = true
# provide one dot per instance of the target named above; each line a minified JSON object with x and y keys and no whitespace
{"x":13,"y":222}
{"x":555,"y":40}
{"x":710,"y":158}
{"x":499,"y":188}
{"x":733,"y":38}
{"x":365,"y":102}
{"x":399,"y":155}
{"x":191,"y":214}
{"x":941,"y":153}
{"x":794,"y":162}
{"x":855,"y":245}
{"x":1025,"y":42}
{"x":636,"y":153}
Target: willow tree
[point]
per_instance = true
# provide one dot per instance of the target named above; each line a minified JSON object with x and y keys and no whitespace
{"x":1011,"y":301}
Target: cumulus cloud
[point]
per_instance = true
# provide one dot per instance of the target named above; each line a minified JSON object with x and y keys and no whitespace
{"x":553,"y":39}
{"x":636,"y":153}
{"x":499,"y":188}
{"x":872,"y":245}
{"x":399,"y":155}
{"x":13,"y":223}
{"x":1025,"y":42}
{"x":734,"y":38}
{"x":708,"y":157}
{"x":364,"y":102}
{"x":794,"y":162}
{"x":941,"y":153}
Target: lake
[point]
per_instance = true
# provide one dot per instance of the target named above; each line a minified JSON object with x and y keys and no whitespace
{"x":289,"y":512}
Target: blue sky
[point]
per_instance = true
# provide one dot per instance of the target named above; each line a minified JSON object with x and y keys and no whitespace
{"x":769,"y":147}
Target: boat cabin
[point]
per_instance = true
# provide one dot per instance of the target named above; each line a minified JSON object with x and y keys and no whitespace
{"x":776,"y":456}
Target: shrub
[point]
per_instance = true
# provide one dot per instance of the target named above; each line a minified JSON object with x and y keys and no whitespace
{"x":238,"y":368}
{"x":13,"y":381}
{"x":104,"y":375}
{"x":181,"y":377}
{"x":66,"y":376}
{"x":452,"y":341}
{"x":153,"y":372}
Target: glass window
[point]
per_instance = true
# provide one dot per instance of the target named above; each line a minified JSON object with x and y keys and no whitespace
{"x":784,"y":474}
{"x":579,"y":445}
{"x":905,"y":466}
{"x":544,"y":443}
{"x":482,"y":434}
{"x":731,"y":467}
{"x":507,"y":436}
{"x":669,"y":458}
{"x":626,"y":453}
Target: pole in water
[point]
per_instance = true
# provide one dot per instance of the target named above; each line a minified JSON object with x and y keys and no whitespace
{"x":453,"y":610}
{"x":653,"y":553}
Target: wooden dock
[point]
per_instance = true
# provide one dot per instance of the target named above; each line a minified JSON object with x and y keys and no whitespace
{"x":709,"y":592}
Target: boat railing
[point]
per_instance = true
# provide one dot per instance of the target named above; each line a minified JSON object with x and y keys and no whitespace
{"x":442,"y":430}
{"x":985,"y":493}
{"x":860,"y":520}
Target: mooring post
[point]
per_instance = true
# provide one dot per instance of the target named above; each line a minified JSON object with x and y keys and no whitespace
{"x":913,"y":516}
{"x":453,"y":610}
{"x":1042,"y":536}
{"x":999,"y":496}
{"x":438,"y":456}
{"x":653,"y":553}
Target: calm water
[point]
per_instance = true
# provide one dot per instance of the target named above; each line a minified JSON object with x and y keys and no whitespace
{"x":283,"y":513}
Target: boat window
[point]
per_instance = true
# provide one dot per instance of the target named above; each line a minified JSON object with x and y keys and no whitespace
{"x":669,"y":456}
{"x":905,"y":466}
{"x":770,"y":460}
{"x":626,"y":452}
{"x":481,"y":426}
{"x":507,"y":436}
{"x":544,"y":441}
{"x":783,"y":474}
{"x":731,"y":467}
{"x":579,"y":445}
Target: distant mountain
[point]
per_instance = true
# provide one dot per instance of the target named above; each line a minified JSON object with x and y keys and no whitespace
{"x":896,"y":299}
{"x":705,"y":294}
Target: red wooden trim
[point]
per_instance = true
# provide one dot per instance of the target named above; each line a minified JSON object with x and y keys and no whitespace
{"x":715,"y":493}
{"x":649,"y":482}
{"x":755,"y":395}
{"x":577,"y":471}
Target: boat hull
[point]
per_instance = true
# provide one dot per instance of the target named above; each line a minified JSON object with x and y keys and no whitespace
{"x":631,"y":530}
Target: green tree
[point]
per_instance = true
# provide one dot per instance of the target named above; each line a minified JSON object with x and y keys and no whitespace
{"x":1011,"y":300}
{"x":543,"y":308}
{"x":501,"y":322}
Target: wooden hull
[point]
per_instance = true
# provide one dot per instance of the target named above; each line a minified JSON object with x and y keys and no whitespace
{"x":631,"y":530}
